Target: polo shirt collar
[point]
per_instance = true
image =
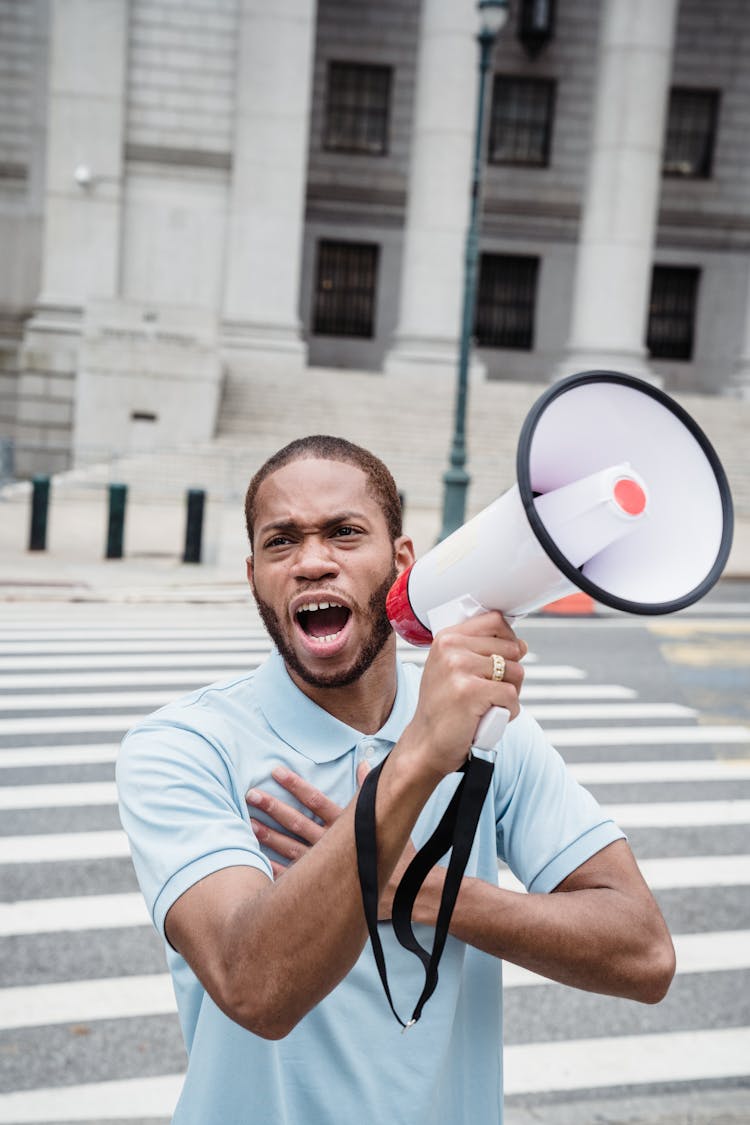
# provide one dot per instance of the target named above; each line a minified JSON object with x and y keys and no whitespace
{"x":313,"y":732}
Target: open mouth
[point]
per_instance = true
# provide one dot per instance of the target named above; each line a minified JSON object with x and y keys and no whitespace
{"x":322,"y":621}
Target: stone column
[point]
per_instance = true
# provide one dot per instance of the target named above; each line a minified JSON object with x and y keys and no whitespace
{"x":80,"y":252}
{"x":738,"y":385}
{"x":615,"y":252}
{"x":261,"y":322}
{"x":438,"y":199}
{"x":85,"y":124}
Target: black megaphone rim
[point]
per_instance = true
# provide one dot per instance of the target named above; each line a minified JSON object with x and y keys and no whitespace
{"x":523,"y":475}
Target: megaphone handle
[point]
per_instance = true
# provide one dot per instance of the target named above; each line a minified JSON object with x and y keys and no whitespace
{"x":492,"y":725}
{"x":491,"y":728}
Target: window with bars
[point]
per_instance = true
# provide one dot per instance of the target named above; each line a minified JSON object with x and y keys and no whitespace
{"x":357,"y":108}
{"x":346,"y":281}
{"x":521,"y":121}
{"x":671,"y":320}
{"x":506,"y":300}
{"x":691,"y":132}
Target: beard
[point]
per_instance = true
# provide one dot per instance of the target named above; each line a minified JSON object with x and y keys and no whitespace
{"x":379,"y":631}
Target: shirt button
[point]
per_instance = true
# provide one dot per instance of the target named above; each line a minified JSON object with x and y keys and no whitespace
{"x":369,"y":751}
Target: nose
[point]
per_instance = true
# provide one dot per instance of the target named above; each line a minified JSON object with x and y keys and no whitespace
{"x":314,"y":560}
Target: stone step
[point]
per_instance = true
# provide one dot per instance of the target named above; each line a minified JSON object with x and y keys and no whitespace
{"x":407,"y":423}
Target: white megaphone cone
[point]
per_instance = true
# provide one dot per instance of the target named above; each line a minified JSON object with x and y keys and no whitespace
{"x":619,"y":494}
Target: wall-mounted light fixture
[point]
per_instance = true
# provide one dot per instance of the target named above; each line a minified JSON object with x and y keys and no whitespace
{"x":87,"y":179}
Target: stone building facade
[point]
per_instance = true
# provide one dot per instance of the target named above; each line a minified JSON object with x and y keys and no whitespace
{"x":196,"y":191}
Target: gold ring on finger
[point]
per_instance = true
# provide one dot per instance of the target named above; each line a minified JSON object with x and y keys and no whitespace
{"x":498,"y":666}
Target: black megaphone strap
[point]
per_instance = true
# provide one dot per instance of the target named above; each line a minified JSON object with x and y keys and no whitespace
{"x":455,"y":831}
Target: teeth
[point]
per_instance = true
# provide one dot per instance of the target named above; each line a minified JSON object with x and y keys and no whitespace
{"x":312,"y":607}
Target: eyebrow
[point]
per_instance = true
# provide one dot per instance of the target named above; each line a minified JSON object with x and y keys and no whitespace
{"x":327,"y":525}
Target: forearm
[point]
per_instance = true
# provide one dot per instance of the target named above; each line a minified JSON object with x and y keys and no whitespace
{"x":600,"y":939}
{"x":291,"y":944}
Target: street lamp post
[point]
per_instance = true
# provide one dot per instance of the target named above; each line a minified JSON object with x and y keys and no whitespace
{"x":493,"y":14}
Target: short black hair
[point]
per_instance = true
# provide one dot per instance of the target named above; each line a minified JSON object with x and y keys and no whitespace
{"x":323,"y":447}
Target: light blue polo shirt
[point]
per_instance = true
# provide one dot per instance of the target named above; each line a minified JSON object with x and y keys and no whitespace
{"x":182,"y":776}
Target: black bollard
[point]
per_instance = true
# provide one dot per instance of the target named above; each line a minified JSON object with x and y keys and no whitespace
{"x":116,"y":526}
{"x":39,"y":510}
{"x":196,"y":498}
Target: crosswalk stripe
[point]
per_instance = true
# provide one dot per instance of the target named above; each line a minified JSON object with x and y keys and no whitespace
{"x":121,"y":911}
{"x":63,"y":648}
{"x":54,"y":847}
{"x":80,"y":1001}
{"x":685,"y":769}
{"x":146,"y":699}
{"x":29,"y":634}
{"x":123,"y":679}
{"x":587,"y":773}
{"x":148,"y":658}
{"x":676,"y":872}
{"x":50,"y":724}
{"x":26,"y":637}
{"x":717,"y":952}
{"x":87,"y":753}
{"x":647,"y":736}
{"x":681,"y":872}
{"x":551,"y":672}
{"x":141,"y":659}
{"x":679,"y":814}
{"x":140,"y":700}
{"x":83,"y":912}
{"x":654,"y":814}
{"x":66,"y":794}
{"x":70,"y":724}
{"x":628,"y":711}
{"x":658,"y":814}
{"x":113,"y":843}
{"x":121,"y":1100}
{"x":627,"y":1060}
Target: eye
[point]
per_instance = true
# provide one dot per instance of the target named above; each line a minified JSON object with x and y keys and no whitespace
{"x":276,"y":541}
{"x":346,"y":532}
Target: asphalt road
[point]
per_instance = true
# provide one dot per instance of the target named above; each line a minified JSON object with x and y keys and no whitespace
{"x":651,"y":714}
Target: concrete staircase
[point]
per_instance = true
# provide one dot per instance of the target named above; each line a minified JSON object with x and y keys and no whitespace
{"x":407,"y":423}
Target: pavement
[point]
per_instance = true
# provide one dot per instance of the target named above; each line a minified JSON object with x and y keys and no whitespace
{"x":72,"y":567}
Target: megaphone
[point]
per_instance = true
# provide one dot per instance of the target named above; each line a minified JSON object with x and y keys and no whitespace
{"x":619,"y":493}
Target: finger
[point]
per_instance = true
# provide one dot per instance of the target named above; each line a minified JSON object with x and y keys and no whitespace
{"x":513,"y":670}
{"x":362,"y":771}
{"x":277,"y":868}
{"x":502,"y":634}
{"x":503,"y":695}
{"x":491,"y":623}
{"x":282,"y":844}
{"x":313,"y":799}
{"x":285,"y":816}
{"x":509,"y":646}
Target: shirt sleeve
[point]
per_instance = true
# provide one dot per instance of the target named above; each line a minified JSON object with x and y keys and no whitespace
{"x":547,"y":824}
{"x":180,"y":810}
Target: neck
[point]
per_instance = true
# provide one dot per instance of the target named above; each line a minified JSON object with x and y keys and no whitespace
{"x":365,"y":704}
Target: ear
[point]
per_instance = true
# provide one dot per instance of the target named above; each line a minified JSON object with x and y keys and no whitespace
{"x":249,"y":570}
{"x":403,"y":553}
